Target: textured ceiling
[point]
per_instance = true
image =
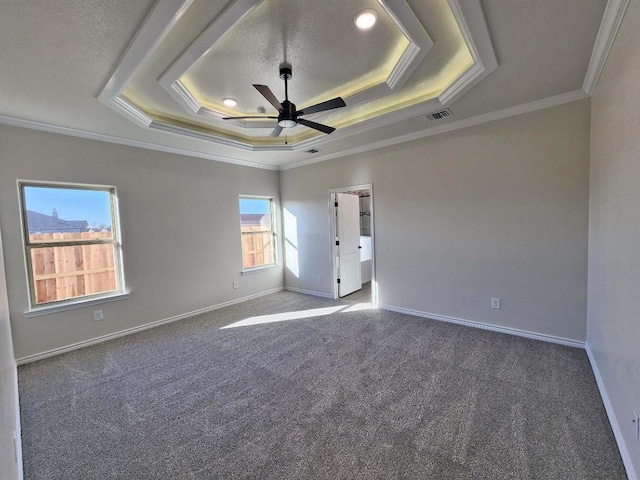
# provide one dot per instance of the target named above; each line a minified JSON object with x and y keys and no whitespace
{"x":58,"y":56}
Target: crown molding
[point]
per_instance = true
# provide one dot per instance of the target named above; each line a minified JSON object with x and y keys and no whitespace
{"x":129,"y":109}
{"x":398,"y":10}
{"x":166,"y":13}
{"x":451,"y":126}
{"x":461,"y":85}
{"x":473,"y":26}
{"x":73,"y":132}
{"x":189,"y":132}
{"x":375,"y":122}
{"x":420,"y":42}
{"x":436,"y":130}
{"x":613,"y":14}
{"x":186,"y":97}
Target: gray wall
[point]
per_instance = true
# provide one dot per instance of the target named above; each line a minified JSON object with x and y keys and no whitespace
{"x":8,"y":386}
{"x":180,"y":232}
{"x":614,"y":228}
{"x":496,"y":210}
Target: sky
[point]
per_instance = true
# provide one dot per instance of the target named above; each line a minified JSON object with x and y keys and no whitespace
{"x":94,"y":206}
{"x":254,"y":205}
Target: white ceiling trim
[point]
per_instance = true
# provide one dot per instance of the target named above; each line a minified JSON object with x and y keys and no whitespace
{"x":419,"y":43}
{"x":468,"y":14}
{"x":398,"y":10}
{"x":611,"y":21}
{"x":166,"y":127}
{"x":436,"y":130}
{"x":451,"y":126}
{"x":473,"y":26}
{"x":472,"y":23}
{"x":201,"y":45}
{"x":162,"y":18}
{"x":475,"y":32}
{"x":167,"y":12}
{"x":187,"y":100}
{"x":74,"y":132}
{"x":132,"y":111}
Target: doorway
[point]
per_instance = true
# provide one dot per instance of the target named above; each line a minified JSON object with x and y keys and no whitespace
{"x":352,"y":243}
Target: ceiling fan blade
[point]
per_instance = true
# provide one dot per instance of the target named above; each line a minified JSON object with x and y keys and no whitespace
{"x":268,"y":94}
{"x":240,"y":118}
{"x":317,"y":126}
{"x":276,"y":131}
{"x":321,"y":107}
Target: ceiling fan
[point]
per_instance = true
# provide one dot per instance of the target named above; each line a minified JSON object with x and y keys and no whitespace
{"x":288,"y":116}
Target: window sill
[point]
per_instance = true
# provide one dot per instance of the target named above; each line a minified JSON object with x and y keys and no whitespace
{"x":39,"y":311}
{"x":259,"y":269}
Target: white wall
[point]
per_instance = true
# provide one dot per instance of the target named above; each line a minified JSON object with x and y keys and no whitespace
{"x":180,"y":232}
{"x":614,"y":229}
{"x":9,"y":421}
{"x":496,"y":210}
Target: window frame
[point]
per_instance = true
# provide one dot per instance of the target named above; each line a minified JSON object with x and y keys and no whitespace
{"x":28,"y":246}
{"x":273,"y":231}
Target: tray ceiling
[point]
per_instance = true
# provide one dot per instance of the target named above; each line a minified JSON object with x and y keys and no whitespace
{"x":152,"y":73}
{"x":171,"y":81}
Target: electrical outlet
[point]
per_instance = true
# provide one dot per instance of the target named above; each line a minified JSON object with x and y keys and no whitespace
{"x":319,"y":278}
{"x":235,"y":284}
{"x":97,"y":315}
{"x":495,"y":303}
{"x":636,"y":424}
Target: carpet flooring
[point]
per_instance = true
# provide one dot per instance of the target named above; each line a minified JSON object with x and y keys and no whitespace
{"x":290,"y":386}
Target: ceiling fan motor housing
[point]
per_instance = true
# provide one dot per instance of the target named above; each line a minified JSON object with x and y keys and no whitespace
{"x":287,"y":117}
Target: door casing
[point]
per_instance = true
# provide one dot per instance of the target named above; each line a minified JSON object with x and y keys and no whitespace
{"x":332,"y":239}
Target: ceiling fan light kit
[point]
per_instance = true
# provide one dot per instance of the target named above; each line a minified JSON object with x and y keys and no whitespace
{"x":288,"y":115}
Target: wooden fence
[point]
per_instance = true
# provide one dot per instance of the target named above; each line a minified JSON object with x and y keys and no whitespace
{"x":257,"y":249}
{"x":65,"y":272}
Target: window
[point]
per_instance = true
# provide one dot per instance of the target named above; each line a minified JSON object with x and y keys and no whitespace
{"x":71,"y":241}
{"x":258,"y":232}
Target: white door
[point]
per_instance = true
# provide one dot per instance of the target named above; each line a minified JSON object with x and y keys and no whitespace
{"x":348,"y":238}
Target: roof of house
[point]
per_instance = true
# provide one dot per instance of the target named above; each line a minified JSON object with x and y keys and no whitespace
{"x":41,"y":223}
{"x":253,"y":219}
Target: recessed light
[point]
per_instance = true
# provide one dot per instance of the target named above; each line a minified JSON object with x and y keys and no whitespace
{"x":229,"y":102}
{"x":365,"y":19}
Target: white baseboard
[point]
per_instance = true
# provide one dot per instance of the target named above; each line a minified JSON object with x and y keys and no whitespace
{"x":615,"y":425}
{"x":309,"y":292}
{"x":486,"y":326}
{"x":146,"y":326}
{"x":17,"y":439}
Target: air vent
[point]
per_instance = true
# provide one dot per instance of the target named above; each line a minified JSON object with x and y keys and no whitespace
{"x":312,"y":150}
{"x":439,"y":115}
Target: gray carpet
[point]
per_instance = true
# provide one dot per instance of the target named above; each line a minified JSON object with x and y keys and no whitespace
{"x":348,"y":395}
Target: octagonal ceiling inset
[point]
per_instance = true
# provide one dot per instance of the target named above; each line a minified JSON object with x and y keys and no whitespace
{"x":172,"y":81}
{"x":254,"y":47}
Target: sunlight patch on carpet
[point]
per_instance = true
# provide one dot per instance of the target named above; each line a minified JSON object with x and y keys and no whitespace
{"x":286,"y":316}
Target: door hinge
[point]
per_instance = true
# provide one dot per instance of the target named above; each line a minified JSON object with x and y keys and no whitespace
{"x":336,"y":204}
{"x":338,"y":280}
{"x":337,"y":243}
